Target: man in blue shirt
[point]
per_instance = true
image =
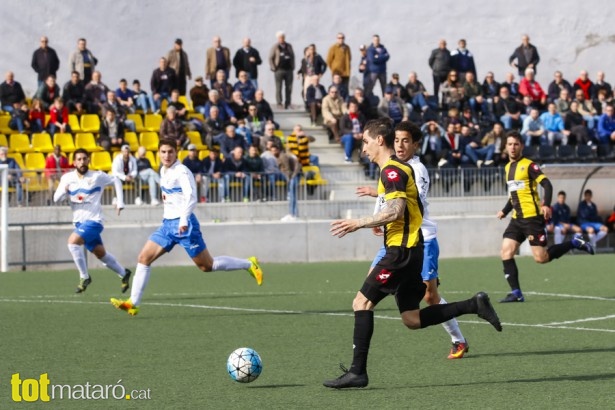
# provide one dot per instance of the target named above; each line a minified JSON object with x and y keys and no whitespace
{"x":606,"y":126}
{"x":554,"y":126}
{"x":561,"y":219}
{"x":589,"y":220}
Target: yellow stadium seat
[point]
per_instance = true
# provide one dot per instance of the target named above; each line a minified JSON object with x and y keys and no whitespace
{"x":20,"y":143}
{"x":3,"y":141}
{"x":101,"y":161}
{"x":18,"y":158}
{"x":203,"y":154}
{"x":182,"y":154}
{"x":86,"y":141}
{"x":315,"y":173}
{"x":73,"y":122}
{"x":35,"y":160}
{"x":42,"y":142}
{"x":90,"y":123}
{"x":188,"y":104}
{"x":131,"y":139}
{"x":152,"y":122}
{"x":149,"y":140}
{"x":163,"y":106}
{"x":153,"y":159}
{"x":196,"y":115}
{"x":195,"y":138}
{"x":138,"y":120}
{"x":4,"y":124}
{"x":66,"y":141}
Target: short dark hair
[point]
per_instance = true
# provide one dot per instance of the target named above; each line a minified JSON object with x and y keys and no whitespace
{"x":167,"y":141}
{"x":383,"y":127}
{"x":81,"y":151}
{"x":411,"y":128}
{"x":515,"y":134}
{"x":561,"y":193}
{"x":588,"y":191}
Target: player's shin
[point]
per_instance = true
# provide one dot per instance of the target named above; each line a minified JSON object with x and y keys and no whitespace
{"x":511,"y":273}
{"x":230,"y":263}
{"x":139,"y":282}
{"x":79,"y":257}
{"x":363,"y":330}
{"x":436,"y":314}
{"x":556,"y":251}
{"x":112,"y":263}
{"x":452,"y":327}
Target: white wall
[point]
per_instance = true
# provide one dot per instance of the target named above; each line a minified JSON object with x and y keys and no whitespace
{"x":128,"y":37}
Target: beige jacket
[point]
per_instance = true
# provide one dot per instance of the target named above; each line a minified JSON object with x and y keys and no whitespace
{"x":338,"y":59}
{"x":332,"y":108}
{"x":173,"y":62}
{"x":210,"y":63}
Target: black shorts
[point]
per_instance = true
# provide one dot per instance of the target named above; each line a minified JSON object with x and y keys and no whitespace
{"x":398,"y":273}
{"x":534,"y":229}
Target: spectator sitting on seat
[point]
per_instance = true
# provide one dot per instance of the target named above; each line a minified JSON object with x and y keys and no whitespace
{"x":365,"y":107}
{"x":610,"y":221}
{"x":224,"y":88}
{"x":600,"y":84}
{"x":314,"y":94}
{"x":213,"y":127}
{"x":602,"y":101}
{"x":47,"y":92}
{"x":398,"y":89}
{"x":452,"y":91}
{"x":181,"y":110}
{"x":558,"y":85}
{"x":226,"y":115}
{"x":124,"y":166}
{"x":243,"y":131}
{"x":533,"y":129}
{"x":199,"y":94}
{"x":452,"y":147}
{"x":20,"y":118}
{"x":271,"y":169}
{"x":491,"y":91}
{"x":312,"y":65}
{"x":263,"y":107}
{"x":234,"y":169}
{"x":125,"y":96}
{"x":562,"y":103}
{"x":254,"y":122}
{"x":58,"y":117}
{"x":561,"y":219}
{"x":431,"y":148}
{"x":507,"y":110}
{"x":163,"y":81}
{"x":574,"y":122}
{"x":417,"y":93}
{"x":95,"y":93}
{"x":147,"y":175}
{"x":351,"y":126}
{"x":529,"y":87}
{"x":606,"y":126}
{"x":111,"y":132}
{"x":173,"y":128}
{"x":14,"y":176}
{"x":245,"y":87}
{"x":473,"y":94}
{"x":554,"y":126}
{"x":587,"y":109}
{"x":195,"y":165}
{"x":332,"y":110}
{"x":238,"y":105}
{"x":37,"y":116}
{"x":496,"y":138}
{"x":477,"y":153}
{"x":229,"y":140}
{"x":392,"y":107}
{"x":212,"y":173}
{"x":56,"y":164}
{"x":121,"y":112}
{"x":298,"y":143}
{"x":10,"y":93}
{"x":269,"y":138}
{"x":342,"y":89}
{"x":74,"y":94}
{"x":468,"y":118}
{"x":512,"y":85}
{"x":143,"y":101}
{"x":589,"y":219}
{"x":586,"y":85}
{"x":254,"y":166}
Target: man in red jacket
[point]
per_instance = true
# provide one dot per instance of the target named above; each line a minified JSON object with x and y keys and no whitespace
{"x":56,"y":164}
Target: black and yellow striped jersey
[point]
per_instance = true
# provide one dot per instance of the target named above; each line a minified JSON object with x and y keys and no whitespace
{"x":522,"y":178}
{"x":397,"y":181}
{"x":299,"y":145}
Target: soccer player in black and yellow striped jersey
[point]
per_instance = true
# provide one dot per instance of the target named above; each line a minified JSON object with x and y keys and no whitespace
{"x":529,"y":217}
{"x":399,"y":271}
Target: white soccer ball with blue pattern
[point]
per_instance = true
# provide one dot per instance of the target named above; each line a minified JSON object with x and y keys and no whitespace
{"x":244,"y":365}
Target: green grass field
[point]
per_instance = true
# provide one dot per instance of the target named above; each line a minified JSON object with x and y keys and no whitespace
{"x":556,"y":350}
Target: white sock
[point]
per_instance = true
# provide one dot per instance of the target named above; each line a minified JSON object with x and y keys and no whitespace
{"x":592,"y":239}
{"x":452,"y":327}
{"x":139,"y":282}
{"x":79,"y":258}
{"x":112,"y":263}
{"x":230,"y":263}
{"x":558,"y":237}
{"x":599,"y":235}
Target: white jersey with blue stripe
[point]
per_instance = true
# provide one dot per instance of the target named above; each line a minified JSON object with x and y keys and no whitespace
{"x":178,"y":192}
{"x":421,"y":176}
{"x":85,"y":193}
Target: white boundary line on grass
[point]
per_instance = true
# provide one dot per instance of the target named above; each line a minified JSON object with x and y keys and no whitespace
{"x":553,"y":325}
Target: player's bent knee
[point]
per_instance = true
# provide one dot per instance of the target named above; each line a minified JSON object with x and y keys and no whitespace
{"x":360,"y":302}
{"x":431,"y":298}
{"x":411,"y":322}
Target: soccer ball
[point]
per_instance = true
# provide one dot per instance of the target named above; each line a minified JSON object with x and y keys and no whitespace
{"x":244,"y":365}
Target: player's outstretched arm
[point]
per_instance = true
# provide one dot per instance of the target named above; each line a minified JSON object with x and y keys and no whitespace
{"x":366,"y":191}
{"x":61,"y":191}
{"x":391,"y":211}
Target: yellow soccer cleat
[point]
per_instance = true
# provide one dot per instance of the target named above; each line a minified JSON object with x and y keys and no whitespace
{"x":255,"y":270}
{"x":458,"y":350}
{"x":125,"y":305}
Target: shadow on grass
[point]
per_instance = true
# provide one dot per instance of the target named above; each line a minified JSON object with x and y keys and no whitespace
{"x":276,"y":386}
{"x":548,"y":352}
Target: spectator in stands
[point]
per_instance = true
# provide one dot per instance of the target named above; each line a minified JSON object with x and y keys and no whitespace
{"x":600,"y":84}
{"x":214,"y":126}
{"x":226,"y":115}
{"x":83,"y":61}
{"x":199,"y":94}
{"x":312,"y":64}
{"x":282,"y":63}
{"x":218,"y":58}
{"x":111,"y":131}
{"x":238,"y":105}
{"x":121,"y":112}
{"x":339,"y":58}
{"x":212,"y":173}
{"x":245,"y":87}
{"x":462,"y":60}
{"x":143,"y":101}
{"x":377,"y":57}
{"x":314,"y":95}
{"x":56,"y":164}
{"x":124,"y":166}
{"x":606,"y":126}
{"x":351,"y":128}
{"x":431,"y":149}
{"x":47,"y":92}
{"x":263,"y":107}
{"x":587,"y":109}
{"x":533,"y":130}
{"x":555,"y":132}
{"x":332,"y":110}
{"x":440,"y":63}
{"x":224,"y":88}
{"x":342,"y":90}
{"x":586,"y":85}
{"x":58,"y":117}
{"x":529,"y":87}
{"x":363,"y":68}
{"x":610,"y":221}
{"x":173,"y":128}
{"x":525,"y":56}
{"x":479,"y":154}
{"x":269,"y":138}
{"x":298,"y":144}
{"x":74,"y":94}
{"x":561,"y":220}
{"x":398,"y":89}
{"x":254,"y":122}
{"x":45,"y":61}
{"x":247,"y":59}
{"x":254,"y":166}
{"x":163,"y":81}
{"x":469,"y":119}
{"x":95,"y":93}
{"x":243,"y":131}
{"x":293,"y":176}
{"x":473,"y":94}
{"x":37,"y":116}
{"x":182,"y":110}
{"x":271,"y":169}
{"x":589,"y":220}
{"x":147,"y":175}
{"x":229,"y":140}
{"x":574,"y":122}
{"x":452,"y":91}
{"x":10,"y":93}
{"x":601,"y":102}
{"x":234,"y":169}
{"x":507,"y":110}
{"x":15,"y":177}
{"x":177,"y":60}
{"x":365,"y":107}
{"x":453,"y":147}
{"x":491,"y":90}
{"x":20,"y":118}
{"x":392,"y":107}
{"x":417,"y":93}
{"x":496,"y":138}
{"x":556,"y":86}
{"x":512,"y":85}
{"x":125,"y":96}
{"x":562,"y":102}
{"x":195,"y":165}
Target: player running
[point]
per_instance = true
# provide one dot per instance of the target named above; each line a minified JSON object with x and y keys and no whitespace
{"x":179,"y":226}
{"x":84,"y":188}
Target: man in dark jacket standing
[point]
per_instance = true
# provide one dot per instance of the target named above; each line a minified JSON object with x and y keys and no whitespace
{"x":525,"y":56}
{"x":440,"y":63}
{"x":377,"y":57}
{"x":247,"y":59}
{"x":45,"y":61}
{"x":462,"y":60}
{"x":282,"y":63}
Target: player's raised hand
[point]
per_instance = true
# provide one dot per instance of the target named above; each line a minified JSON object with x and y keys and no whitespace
{"x":366,"y":191}
{"x":341,"y":227}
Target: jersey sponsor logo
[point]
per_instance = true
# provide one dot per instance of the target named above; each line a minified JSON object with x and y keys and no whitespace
{"x":392,"y":175}
{"x":515,"y":185}
{"x":535,"y":167}
{"x":383,"y":276}
{"x":541,"y":238}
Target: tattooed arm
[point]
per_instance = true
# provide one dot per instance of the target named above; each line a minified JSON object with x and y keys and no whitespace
{"x":393,"y":209}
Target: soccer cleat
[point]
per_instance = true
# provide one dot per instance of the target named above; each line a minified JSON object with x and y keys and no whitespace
{"x":347,"y":380}
{"x":459,"y":349}
{"x":83,"y":285}
{"x":485,"y":310}
{"x":125,"y":305}
{"x":255,"y":270}
{"x":511,"y":297}
{"x":580,"y":243}
{"x":125,"y":280}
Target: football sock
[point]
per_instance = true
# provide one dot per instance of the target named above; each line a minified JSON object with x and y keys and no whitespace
{"x":139,"y":282}
{"x":452,"y":327}
{"x":558,"y":236}
{"x":511,"y":273}
{"x":599,"y":235}
{"x":592,"y":239}
{"x":112,"y":263}
{"x":79,"y":258}
{"x":363,"y":330}
{"x":230,"y":263}
{"x":556,"y":251}
{"x":436,"y":314}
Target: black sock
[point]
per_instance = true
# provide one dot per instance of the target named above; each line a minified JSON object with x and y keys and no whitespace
{"x":511,"y":273}
{"x":363,"y":330}
{"x":436,"y":314}
{"x":556,"y":251}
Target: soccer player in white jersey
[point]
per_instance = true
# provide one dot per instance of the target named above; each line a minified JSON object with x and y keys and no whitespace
{"x":84,"y":189}
{"x":179,"y":226}
{"x":407,"y":140}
